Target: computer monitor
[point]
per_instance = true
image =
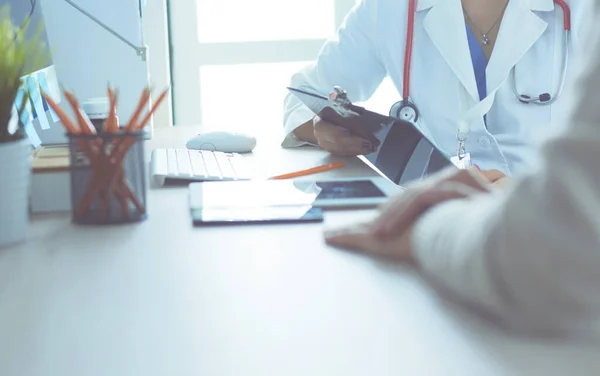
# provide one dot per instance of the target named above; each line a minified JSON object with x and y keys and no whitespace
{"x":38,"y":117}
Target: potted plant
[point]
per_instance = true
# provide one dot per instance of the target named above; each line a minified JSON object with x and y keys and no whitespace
{"x":20,"y":54}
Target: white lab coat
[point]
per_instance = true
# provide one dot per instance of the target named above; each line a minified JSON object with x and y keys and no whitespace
{"x":370,"y":46}
{"x":530,"y":254}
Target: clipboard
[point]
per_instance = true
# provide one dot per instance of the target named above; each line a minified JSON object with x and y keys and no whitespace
{"x":403,"y":153}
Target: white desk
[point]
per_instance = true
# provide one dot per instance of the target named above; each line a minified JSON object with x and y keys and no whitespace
{"x":164,"y":298}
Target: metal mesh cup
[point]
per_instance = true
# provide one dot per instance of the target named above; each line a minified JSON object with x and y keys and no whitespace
{"x":108,"y":178}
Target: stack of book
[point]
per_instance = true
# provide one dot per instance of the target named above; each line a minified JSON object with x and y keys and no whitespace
{"x":50,"y":181}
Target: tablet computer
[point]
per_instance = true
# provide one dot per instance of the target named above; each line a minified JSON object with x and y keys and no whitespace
{"x":237,"y":196}
{"x":403,"y":153}
{"x":352,"y":192}
{"x":256,"y":215}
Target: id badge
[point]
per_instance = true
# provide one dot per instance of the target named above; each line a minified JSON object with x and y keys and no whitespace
{"x":463,"y":162}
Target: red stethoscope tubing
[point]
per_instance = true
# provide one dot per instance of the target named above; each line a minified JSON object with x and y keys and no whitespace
{"x":566,"y":13}
{"x":410,"y":31}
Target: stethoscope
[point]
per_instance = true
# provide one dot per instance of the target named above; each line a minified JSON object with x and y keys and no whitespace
{"x":407,"y":111}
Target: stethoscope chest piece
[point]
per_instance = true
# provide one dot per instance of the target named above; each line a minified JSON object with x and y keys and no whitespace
{"x":404,"y":110}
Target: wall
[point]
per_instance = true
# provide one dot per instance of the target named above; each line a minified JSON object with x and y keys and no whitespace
{"x":87,"y":57}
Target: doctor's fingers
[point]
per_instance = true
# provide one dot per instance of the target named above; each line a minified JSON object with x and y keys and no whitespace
{"x":397,"y":218}
{"x":339,"y":141}
{"x":473,"y":178}
{"x":332,"y":133}
{"x":347,"y":146}
{"x":492,"y":175}
{"x":323,"y":129}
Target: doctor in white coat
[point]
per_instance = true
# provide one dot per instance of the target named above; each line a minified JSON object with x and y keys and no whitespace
{"x":528,"y":254}
{"x":470,"y":60}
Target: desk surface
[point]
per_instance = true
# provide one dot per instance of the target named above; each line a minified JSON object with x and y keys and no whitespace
{"x":164,"y":298}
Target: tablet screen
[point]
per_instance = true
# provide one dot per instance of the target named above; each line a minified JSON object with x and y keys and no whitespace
{"x":248,"y":215}
{"x":254,"y":197}
{"x":348,"y":189}
{"x":405,"y":155}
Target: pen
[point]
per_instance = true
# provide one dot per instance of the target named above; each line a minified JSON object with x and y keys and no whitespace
{"x":310,"y":171}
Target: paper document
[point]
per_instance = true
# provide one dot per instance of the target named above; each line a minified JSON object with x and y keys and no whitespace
{"x":35,"y":96}
{"x":26,"y":119}
{"x":43,"y":79}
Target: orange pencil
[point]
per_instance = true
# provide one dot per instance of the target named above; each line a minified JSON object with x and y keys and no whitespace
{"x":97,"y":184}
{"x":64,"y":118}
{"x":118,"y":186}
{"x":87,"y":123}
{"x":84,"y":122}
{"x":131,"y":125}
{"x":310,"y":171}
{"x":111,"y":123}
{"x":72,"y":128}
{"x":146,"y":118}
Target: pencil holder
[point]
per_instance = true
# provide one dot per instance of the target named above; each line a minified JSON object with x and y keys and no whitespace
{"x":108,"y":177}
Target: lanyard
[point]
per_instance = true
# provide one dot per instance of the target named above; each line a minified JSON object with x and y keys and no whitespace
{"x":469,"y":115}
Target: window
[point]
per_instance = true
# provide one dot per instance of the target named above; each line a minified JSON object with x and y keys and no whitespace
{"x":261,"y":95}
{"x":232,"y":59}
{"x":264,"y":20}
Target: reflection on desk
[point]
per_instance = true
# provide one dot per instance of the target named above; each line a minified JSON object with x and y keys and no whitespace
{"x":164,"y":298}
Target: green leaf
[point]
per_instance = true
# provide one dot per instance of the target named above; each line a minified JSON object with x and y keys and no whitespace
{"x":18,"y":57}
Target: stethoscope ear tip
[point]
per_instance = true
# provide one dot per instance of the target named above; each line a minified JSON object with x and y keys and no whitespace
{"x":542,"y":98}
{"x":524,"y":98}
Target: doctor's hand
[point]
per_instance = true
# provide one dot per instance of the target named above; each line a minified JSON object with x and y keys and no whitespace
{"x":497,"y":178}
{"x":389,"y":234}
{"x":339,"y":141}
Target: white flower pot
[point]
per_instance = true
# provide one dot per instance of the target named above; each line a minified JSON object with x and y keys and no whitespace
{"x":15,"y":178}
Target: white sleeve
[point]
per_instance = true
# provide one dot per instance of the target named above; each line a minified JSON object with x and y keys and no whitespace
{"x":351,"y":60}
{"x":530,"y":255}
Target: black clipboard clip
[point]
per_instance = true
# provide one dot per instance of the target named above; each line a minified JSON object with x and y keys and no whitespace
{"x":337,"y":109}
{"x":340,"y":96}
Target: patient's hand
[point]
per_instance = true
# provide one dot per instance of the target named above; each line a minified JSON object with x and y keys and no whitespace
{"x":389,"y":233}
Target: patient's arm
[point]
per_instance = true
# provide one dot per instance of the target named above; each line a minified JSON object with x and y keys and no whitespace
{"x":531,"y":253}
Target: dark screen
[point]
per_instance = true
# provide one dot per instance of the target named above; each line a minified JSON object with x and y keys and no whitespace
{"x":348,"y":189}
{"x":404,"y":155}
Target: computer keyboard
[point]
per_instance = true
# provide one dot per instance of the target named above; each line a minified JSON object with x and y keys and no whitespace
{"x":180,"y":165}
